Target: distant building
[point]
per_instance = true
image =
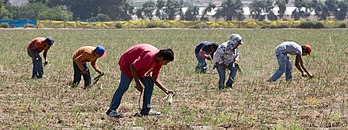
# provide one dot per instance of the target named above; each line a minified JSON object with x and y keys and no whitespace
{"x":18,"y":2}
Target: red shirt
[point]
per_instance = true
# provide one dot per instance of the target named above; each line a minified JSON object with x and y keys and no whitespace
{"x":144,"y":58}
{"x":38,"y":44}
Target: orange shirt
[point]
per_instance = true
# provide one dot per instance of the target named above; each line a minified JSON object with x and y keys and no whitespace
{"x":38,"y":44}
{"x":85,"y":54}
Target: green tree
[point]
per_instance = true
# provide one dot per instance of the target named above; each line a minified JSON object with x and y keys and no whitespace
{"x":159,"y":9}
{"x":57,"y":13}
{"x":101,"y":17}
{"x":83,"y":9}
{"x":271,"y":16}
{"x":319,"y":9}
{"x":54,"y":3}
{"x":191,"y":13}
{"x":115,"y":9}
{"x":342,"y":9}
{"x":256,"y":10}
{"x":7,"y":10}
{"x":4,"y":13}
{"x":218,"y":14}
{"x":148,"y":9}
{"x":125,"y":11}
{"x":139,"y":13}
{"x":332,"y":6}
{"x":260,"y":8}
{"x":230,"y":9}
{"x":30,"y":11}
{"x":173,"y":8}
{"x":303,"y":9}
{"x":209,"y":8}
{"x":282,"y":8}
{"x":38,"y":1}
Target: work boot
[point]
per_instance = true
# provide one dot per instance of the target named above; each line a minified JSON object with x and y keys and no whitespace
{"x":113,"y":113}
{"x":150,"y":112}
{"x":270,"y":81}
{"x":87,"y":87}
{"x":74,"y":85}
{"x":229,"y":86}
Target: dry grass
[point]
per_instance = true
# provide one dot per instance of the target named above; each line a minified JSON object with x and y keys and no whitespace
{"x":252,"y":104}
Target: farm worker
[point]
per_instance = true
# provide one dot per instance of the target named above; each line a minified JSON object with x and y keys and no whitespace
{"x":137,"y":63}
{"x":227,"y":57}
{"x":292,"y":48}
{"x":204,"y":50}
{"x":80,"y":58}
{"x":35,"y":47}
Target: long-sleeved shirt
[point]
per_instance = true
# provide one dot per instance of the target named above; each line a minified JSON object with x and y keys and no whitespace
{"x":143,"y":57}
{"x":85,"y":54}
{"x":225,"y":54}
{"x":203,"y":49}
{"x":38,"y":44}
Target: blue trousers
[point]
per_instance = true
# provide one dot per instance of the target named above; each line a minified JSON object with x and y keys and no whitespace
{"x":37,"y":65}
{"x":284,"y":66}
{"x":202,"y":64}
{"x":222,"y":74}
{"x":78,"y":73}
{"x":123,"y":87}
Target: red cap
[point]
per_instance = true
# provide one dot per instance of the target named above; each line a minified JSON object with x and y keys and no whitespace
{"x":309,"y":49}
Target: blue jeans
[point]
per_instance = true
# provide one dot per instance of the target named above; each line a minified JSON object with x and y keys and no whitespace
{"x":78,"y":73}
{"x":123,"y":87}
{"x":222,"y":74}
{"x":284,"y":66}
{"x":37,"y":65}
{"x":202,"y":64}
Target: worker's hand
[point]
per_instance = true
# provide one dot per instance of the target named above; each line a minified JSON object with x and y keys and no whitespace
{"x":236,"y":65}
{"x":304,"y":74}
{"x":100,"y":72}
{"x":310,"y":75}
{"x":84,"y":71}
{"x":208,"y":58}
{"x":170,"y":91}
{"x":224,"y":66}
{"x":46,"y":62}
{"x":139,"y":88}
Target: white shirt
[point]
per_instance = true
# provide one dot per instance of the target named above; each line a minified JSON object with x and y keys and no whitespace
{"x":224,"y":54}
{"x":289,"y":47}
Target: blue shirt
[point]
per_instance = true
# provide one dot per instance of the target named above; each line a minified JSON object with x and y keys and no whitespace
{"x":203,"y":46}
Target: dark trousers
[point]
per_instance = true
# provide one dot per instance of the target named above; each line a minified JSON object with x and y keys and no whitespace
{"x":37,"y":65}
{"x":78,"y":73}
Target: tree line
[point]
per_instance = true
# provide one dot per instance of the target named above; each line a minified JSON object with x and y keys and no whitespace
{"x":109,"y":10}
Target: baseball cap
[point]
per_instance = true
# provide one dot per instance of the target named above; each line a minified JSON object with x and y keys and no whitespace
{"x":100,"y":50}
{"x":309,"y":49}
{"x":50,"y":41}
{"x":236,"y":37}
